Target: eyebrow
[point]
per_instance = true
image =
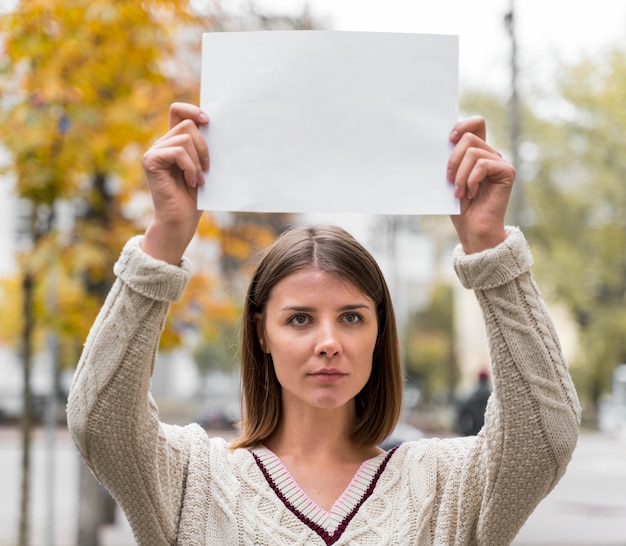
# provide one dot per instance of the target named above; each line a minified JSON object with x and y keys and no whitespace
{"x":306,"y":309}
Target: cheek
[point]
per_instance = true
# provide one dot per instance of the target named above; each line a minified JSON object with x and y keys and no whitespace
{"x":370,"y":358}
{"x":286,"y":355}
{"x":285,"y":371}
{"x":372,"y":345}
{"x":366,"y":356}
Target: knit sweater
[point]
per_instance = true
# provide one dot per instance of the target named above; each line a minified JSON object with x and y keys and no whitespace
{"x":178,"y":486}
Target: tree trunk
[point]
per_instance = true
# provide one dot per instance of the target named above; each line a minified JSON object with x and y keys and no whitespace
{"x":27,"y":411}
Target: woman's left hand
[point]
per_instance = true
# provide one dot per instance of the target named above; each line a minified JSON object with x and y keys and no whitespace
{"x":483,"y":181}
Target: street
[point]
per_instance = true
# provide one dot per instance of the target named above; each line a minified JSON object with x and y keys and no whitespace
{"x":587,"y":508}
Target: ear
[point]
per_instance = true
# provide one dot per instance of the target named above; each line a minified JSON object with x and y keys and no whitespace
{"x":260,"y":331}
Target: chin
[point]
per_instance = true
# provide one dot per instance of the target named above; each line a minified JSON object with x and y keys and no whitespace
{"x":332,"y":402}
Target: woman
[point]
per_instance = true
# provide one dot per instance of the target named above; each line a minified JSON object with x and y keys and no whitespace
{"x":322,"y":383}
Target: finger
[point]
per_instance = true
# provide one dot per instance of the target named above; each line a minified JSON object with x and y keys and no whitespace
{"x":158,"y":160}
{"x":469,"y":143}
{"x":478,"y":165}
{"x":199,"y":141}
{"x":195,"y":147}
{"x":465,"y":133}
{"x":475,"y":125}
{"x":186,"y":134}
{"x":485,"y":170}
{"x":180,"y":111}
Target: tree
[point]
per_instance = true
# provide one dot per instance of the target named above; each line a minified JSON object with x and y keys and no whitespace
{"x":84,"y":89}
{"x":572,"y":173}
{"x":82,"y":83}
{"x":430,"y":358}
{"x":578,"y":200}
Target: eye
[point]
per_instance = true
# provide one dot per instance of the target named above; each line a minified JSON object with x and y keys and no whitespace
{"x":352,"y":318}
{"x":298,"y":320}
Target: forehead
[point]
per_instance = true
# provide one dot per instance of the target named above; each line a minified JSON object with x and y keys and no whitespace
{"x":313,"y":281}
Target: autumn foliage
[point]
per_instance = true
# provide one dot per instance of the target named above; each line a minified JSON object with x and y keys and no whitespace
{"x":85,"y":87}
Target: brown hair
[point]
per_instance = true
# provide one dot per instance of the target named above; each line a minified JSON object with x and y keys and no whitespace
{"x":335,"y":251}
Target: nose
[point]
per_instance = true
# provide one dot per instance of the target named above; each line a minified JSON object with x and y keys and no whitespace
{"x":328,"y":343}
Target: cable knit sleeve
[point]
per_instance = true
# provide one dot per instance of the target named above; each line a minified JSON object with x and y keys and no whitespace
{"x":532,"y":419}
{"x":112,"y":418}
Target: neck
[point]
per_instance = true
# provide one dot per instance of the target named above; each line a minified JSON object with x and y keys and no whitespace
{"x":318,"y":433}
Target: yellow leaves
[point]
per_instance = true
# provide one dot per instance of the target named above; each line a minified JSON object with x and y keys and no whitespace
{"x":204,"y":310}
{"x":88,"y":93}
{"x":102,"y":13}
{"x":204,"y":296}
{"x":246,"y":237}
{"x":90,"y":80}
{"x":11,"y":315}
{"x":208,"y":228}
{"x":60,"y":305}
{"x":64,"y":270}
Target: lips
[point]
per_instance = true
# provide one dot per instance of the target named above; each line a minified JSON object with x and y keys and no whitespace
{"x":328,"y":371}
{"x":328,"y":375}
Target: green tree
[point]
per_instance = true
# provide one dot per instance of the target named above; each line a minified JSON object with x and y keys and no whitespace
{"x":572,"y":173}
{"x":430,"y":357}
{"x":578,"y":201}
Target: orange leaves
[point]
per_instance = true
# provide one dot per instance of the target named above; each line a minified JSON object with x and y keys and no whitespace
{"x":208,"y":228}
{"x":204,"y":312}
{"x":85,"y":87}
{"x":89,"y":80}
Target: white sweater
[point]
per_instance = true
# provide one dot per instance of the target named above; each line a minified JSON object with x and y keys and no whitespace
{"x":178,"y":486}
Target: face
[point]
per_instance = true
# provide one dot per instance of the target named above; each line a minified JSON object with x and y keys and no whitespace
{"x":321,"y":332}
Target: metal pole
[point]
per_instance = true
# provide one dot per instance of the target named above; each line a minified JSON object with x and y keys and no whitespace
{"x":517,"y":197}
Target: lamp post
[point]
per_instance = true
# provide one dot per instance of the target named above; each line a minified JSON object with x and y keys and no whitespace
{"x":517,"y":197}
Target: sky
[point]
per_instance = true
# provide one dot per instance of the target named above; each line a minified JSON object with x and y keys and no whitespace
{"x":548,"y":31}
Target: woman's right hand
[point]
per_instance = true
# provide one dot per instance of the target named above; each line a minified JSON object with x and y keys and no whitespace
{"x":174,"y":166}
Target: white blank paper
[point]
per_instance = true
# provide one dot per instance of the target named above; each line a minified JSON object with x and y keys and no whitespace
{"x":331,"y":122}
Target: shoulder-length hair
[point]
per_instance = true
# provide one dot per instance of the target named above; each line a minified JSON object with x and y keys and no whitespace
{"x":334,"y":251}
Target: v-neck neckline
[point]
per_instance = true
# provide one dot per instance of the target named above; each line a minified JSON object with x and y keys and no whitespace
{"x":329,"y":525}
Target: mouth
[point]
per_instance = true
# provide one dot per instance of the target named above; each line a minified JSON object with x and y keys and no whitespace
{"x":327,"y":376}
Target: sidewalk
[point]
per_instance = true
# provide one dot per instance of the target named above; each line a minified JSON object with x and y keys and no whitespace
{"x":66,"y":462}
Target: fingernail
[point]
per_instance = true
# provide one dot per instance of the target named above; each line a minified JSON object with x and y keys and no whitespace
{"x":457,"y":192}
{"x":200,"y":179}
{"x":454,"y":135}
{"x":205,"y":164}
{"x":451,"y":175}
{"x":203,"y":118}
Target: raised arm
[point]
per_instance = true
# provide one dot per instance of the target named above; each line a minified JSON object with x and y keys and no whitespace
{"x":531,"y":423}
{"x":113,"y":420}
{"x":174,"y":167}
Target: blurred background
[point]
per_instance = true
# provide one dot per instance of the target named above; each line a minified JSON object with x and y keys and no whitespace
{"x":84,"y":89}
